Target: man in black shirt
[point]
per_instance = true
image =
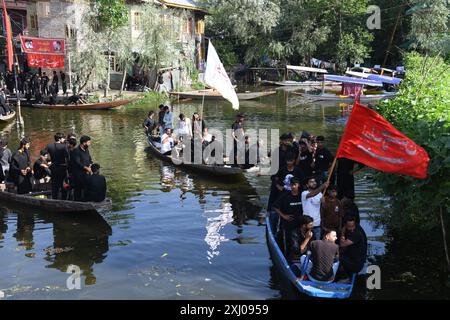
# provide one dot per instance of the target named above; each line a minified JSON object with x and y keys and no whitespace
{"x":289,"y":208}
{"x":62,"y":75}
{"x":354,"y":247}
{"x":96,"y":185}
{"x":149,"y":123}
{"x":287,"y":172}
{"x":59,"y":156}
{"x":304,"y":159}
{"x":41,"y":168}
{"x":322,"y":160}
{"x":44,"y":83}
{"x":20,"y":169}
{"x":301,"y":241}
{"x":80,"y":165}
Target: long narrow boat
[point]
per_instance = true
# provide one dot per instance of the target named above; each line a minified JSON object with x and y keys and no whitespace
{"x":88,"y":106}
{"x":313,"y":289}
{"x":8,"y":117}
{"x":349,"y":98}
{"x":306,"y":83}
{"x":40,"y":200}
{"x":213,"y":170}
{"x":209,"y":94}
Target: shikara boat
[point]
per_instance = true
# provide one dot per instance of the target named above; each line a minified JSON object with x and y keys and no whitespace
{"x":41,"y":201}
{"x":307,"y":287}
{"x":349,"y":98}
{"x":88,"y":106}
{"x":8,"y":117}
{"x":306,"y":83}
{"x":212,"y":170}
{"x":210,"y":94}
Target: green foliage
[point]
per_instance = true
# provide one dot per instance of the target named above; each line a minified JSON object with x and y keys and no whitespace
{"x":422,"y":112}
{"x":111,"y":14}
{"x":152,"y":99}
{"x":429,"y":26}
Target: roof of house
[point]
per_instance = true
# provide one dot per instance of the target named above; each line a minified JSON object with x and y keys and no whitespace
{"x":184,"y":4}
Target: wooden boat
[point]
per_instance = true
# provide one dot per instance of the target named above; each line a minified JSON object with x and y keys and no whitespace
{"x":313,"y":289}
{"x":40,"y":200}
{"x":8,"y":117}
{"x":210,"y":94}
{"x":306,"y":83}
{"x":347,"y":99}
{"x":88,"y":106}
{"x":213,"y":170}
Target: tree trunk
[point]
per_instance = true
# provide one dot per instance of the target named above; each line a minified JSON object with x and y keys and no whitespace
{"x":123,"y":81}
{"x":108,"y":77}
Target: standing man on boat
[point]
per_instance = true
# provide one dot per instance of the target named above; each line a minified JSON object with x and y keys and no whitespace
{"x":238,"y":135}
{"x":149,"y":123}
{"x":290,"y":210}
{"x":80,"y":165}
{"x":20,"y":167}
{"x":322,"y":160}
{"x":168,"y":118}
{"x":59,"y":156}
{"x":311,"y":200}
{"x":331,"y":211}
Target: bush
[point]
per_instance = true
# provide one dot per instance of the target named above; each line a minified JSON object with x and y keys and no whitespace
{"x":422,"y":112}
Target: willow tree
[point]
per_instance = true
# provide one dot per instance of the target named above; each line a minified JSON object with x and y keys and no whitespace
{"x":157,"y":43}
{"x":111,"y":16}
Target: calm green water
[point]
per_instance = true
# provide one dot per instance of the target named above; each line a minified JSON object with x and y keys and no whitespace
{"x":171,"y":235}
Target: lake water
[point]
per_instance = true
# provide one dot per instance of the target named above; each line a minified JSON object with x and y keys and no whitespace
{"x":171,"y":234}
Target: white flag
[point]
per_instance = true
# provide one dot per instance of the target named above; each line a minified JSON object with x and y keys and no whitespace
{"x":217,"y":78}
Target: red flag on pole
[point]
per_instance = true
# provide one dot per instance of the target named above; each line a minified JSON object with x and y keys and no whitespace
{"x":372,"y":140}
{"x":9,"y":45}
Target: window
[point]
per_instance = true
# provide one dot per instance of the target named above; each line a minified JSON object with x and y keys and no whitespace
{"x":33,"y":22}
{"x":71,"y":33}
{"x":137,"y":21}
{"x":189,"y":26}
{"x":44,"y":9}
{"x":113,"y":63}
{"x":200,"y":27}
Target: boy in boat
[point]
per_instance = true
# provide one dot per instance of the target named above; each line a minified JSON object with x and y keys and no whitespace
{"x":331,"y":211}
{"x":289,"y":209}
{"x":41,"y":168}
{"x":323,"y":263}
{"x":96,"y":185}
{"x":20,"y":167}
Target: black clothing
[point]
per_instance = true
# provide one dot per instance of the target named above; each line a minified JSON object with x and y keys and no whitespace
{"x":79,"y":159}
{"x":296,"y":173}
{"x":305,"y":163}
{"x":354,"y":256}
{"x":323,"y":159}
{"x":21,"y":161}
{"x":323,"y":255}
{"x":95,"y":188}
{"x":39,"y":171}
{"x":60,"y":159}
{"x":150,"y":125}
{"x":290,"y":205}
{"x":297,"y":239}
{"x":345,"y":179}
{"x":161,"y":118}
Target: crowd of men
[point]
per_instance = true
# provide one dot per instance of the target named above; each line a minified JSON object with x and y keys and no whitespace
{"x":35,"y":86}
{"x":67,"y":166}
{"x":318,"y":222}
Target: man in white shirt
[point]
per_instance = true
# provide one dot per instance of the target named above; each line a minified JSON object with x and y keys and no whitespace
{"x":311,"y":203}
{"x":167,"y":142}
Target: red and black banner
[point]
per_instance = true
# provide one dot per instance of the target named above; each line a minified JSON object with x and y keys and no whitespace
{"x":44,"y":52}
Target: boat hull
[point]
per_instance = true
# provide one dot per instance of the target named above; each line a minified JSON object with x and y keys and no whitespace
{"x":89,"y":106}
{"x":331,"y":291}
{"x":217,"y":171}
{"x":336,"y":98}
{"x":214,"y":95}
{"x":8,"y":117}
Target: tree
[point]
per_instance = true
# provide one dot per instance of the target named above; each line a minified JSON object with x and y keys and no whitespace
{"x":125,"y":55}
{"x":111,"y":15}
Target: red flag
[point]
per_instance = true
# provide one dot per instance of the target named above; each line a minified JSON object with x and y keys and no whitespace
{"x":373,"y":141}
{"x":9,"y":45}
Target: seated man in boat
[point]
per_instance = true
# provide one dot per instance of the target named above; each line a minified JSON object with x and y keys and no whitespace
{"x":323,"y":263}
{"x":41,"y":168}
{"x":167,"y":142}
{"x":149,"y":123}
{"x":289,"y":208}
{"x":95,"y":186}
{"x":353,"y":244}
{"x":300,"y":242}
